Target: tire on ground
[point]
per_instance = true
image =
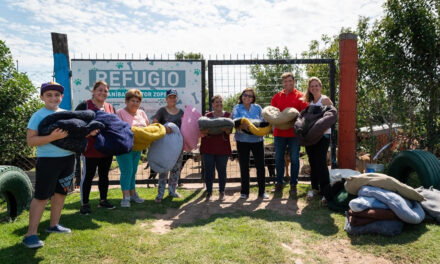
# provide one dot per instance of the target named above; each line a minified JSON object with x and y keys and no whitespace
{"x":424,"y":163}
{"x":16,"y":188}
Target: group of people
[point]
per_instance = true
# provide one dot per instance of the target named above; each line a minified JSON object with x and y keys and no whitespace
{"x":56,"y":165}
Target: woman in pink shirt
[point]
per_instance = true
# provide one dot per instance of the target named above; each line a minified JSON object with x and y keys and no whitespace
{"x":128,"y":163}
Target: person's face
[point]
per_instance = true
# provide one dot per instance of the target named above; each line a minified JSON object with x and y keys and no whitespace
{"x":100,"y":93}
{"x":52,"y":99}
{"x":133,"y":104}
{"x":247,"y":97}
{"x":288,"y":83}
{"x":171,"y":100}
{"x":217,"y":104}
{"x":315,"y":88}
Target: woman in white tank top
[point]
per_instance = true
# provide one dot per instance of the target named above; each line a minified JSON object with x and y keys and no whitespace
{"x":318,"y":153}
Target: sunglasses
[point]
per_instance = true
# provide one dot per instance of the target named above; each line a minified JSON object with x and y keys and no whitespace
{"x":248,"y":95}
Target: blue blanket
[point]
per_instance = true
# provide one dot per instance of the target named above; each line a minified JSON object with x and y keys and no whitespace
{"x":412,"y":214}
{"x":116,"y":138}
{"x":78,"y":124}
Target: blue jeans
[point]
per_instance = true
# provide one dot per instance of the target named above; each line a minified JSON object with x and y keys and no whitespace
{"x":280,"y":148}
{"x":210,"y":163}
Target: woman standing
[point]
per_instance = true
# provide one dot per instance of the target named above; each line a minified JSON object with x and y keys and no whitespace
{"x":92,"y":158}
{"x":247,"y":143}
{"x":318,"y":153}
{"x":128,"y":163}
{"x":169,"y":113}
{"x":215,"y":150}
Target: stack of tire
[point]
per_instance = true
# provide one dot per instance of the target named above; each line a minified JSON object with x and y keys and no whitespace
{"x":424,"y":163}
{"x":16,"y":189}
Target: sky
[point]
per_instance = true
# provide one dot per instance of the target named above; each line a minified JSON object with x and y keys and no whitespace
{"x":126,"y":28}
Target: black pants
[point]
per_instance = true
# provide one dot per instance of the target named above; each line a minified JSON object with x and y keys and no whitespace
{"x":90,"y":165}
{"x":318,"y":164}
{"x":244,"y":150}
{"x":77,"y":169}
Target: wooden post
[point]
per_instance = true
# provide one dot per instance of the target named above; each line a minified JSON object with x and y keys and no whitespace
{"x":348,"y":58}
{"x":62,"y":67}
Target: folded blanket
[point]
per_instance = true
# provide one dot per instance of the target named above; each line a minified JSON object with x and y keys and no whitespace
{"x":78,"y":124}
{"x":215,"y":126}
{"x":280,"y":120}
{"x":258,"y":131}
{"x":363,"y":203}
{"x":369,"y":216}
{"x":144,"y":136}
{"x":354,"y":183}
{"x":255,"y":122}
{"x":431,"y":205}
{"x":164,"y":153}
{"x":338,"y":174}
{"x":116,"y":138}
{"x":190,"y":128}
{"x":383,"y":227}
{"x":413,"y":214}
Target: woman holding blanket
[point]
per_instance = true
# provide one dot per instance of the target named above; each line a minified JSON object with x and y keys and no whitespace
{"x":92,"y":158}
{"x":169,"y":113}
{"x":215,"y":150}
{"x":128,"y":163}
{"x":318,"y":153}
{"x":247,"y":143}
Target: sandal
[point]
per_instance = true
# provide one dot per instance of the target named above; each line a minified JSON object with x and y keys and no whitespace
{"x":323,"y":201}
{"x":310,"y":195}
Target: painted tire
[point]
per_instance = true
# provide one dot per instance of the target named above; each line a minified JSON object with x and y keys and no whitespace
{"x":16,"y":188}
{"x":424,"y":163}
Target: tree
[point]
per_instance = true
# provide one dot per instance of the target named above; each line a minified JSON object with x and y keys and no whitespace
{"x":268,"y":77}
{"x":17,"y":103}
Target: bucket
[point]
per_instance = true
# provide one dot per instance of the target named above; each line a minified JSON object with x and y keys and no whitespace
{"x":374,"y":167}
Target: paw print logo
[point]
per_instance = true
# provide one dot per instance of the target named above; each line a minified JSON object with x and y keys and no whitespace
{"x":151,"y":63}
{"x":197,"y":71}
{"x":119,"y":65}
{"x":77,"y":81}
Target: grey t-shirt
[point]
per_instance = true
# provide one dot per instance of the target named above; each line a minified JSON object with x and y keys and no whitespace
{"x":164,"y":117}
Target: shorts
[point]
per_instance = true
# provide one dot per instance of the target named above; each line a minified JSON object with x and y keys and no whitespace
{"x":53,"y":175}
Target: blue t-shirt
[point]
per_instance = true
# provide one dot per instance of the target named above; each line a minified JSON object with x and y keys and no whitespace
{"x":253,"y":113}
{"x":46,"y":150}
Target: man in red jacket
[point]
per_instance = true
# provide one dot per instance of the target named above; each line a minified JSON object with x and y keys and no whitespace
{"x":288,"y":97}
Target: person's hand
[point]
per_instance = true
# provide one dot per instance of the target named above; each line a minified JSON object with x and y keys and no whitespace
{"x":93,"y":133}
{"x":244,"y":126}
{"x":203,"y":132}
{"x":58,"y":133}
{"x":227,"y":130}
{"x":169,"y":130}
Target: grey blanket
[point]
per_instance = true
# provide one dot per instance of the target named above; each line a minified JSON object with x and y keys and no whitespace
{"x":431,"y":205}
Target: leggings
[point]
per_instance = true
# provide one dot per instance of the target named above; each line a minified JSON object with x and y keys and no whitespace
{"x":89,"y":171}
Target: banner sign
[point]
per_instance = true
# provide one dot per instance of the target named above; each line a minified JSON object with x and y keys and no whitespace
{"x":152,"y":78}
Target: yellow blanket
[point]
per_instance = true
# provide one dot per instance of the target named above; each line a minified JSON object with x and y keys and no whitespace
{"x":258,"y":131}
{"x":144,"y":136}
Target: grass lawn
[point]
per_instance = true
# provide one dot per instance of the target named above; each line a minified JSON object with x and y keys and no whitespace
{"x":312,"y":234}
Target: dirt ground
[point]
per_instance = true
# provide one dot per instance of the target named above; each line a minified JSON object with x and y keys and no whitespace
{"x":338,"y":251}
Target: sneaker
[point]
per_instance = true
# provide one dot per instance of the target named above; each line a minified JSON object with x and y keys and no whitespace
{"x":125,"y":202}
{"x":208,"y":196}
{"x":243,"y":196}
{"x":85,"y":209}
{"x":310,"y":195}
{"x":32,"y":242}
{"x":58,"y":229}
{"x":293,"y":191}
{"x":136,"y":199}
{"x":324,"y":201}
{"x":158,"y":200}
{"x":278,"y":188}
{"x":263,"y":196}
{"x":221,"y":196}
{"x":106,"y":204}
{"x":176,"y":195}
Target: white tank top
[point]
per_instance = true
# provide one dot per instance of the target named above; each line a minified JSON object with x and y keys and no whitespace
{"x":319,"y":103}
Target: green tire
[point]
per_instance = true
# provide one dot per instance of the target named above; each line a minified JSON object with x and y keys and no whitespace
{"x":424,"y":163}
{"x":16,"y":189}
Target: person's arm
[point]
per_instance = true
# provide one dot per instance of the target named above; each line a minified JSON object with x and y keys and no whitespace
{"x":33,"y":139}
{"x":326,"y":101}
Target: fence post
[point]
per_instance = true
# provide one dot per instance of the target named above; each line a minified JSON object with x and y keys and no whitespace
{"x":348,"y":58}
{"x":61,"y":67}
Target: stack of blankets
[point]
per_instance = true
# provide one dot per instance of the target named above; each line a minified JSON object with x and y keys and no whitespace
{"x":383,"y":205}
